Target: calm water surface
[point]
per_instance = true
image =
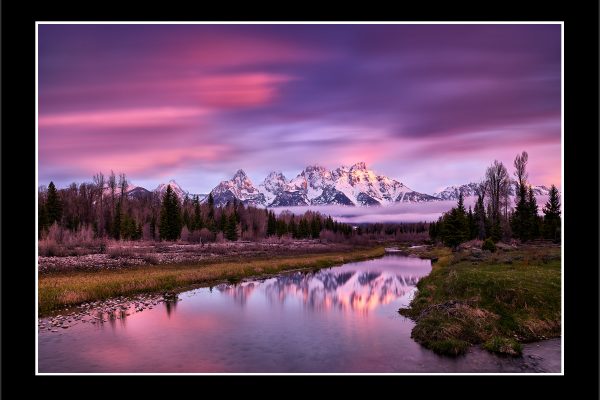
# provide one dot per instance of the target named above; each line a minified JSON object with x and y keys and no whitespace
{"x":341,"y":319}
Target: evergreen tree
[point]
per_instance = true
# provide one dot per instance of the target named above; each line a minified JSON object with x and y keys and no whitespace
{"x":521,"y":218}
{"x":315,"y":227}
{"x":462,"y":221}
{"x":480,"y":219}
{"x":471,"y":224}
{"x":153,"y":227}
{"x":231,"y":229}
{"x":532,"y":208}
{"x":116,"y":224}
{"x":128,"y":228}
{"x":329,"y":223}
{"x":223,"y":221}
{"x":303,"y":229}
{"x":197,"y":223}
{"x":496,"y":230}
{"x":186,"y":218}
{"x":139,"y":232}
{"x":282,"y":228}
{"x":292,"y":228}
{"x":460,"y":205}
{"x":271,"y":224}
{"x":54,"y":207}
{"x":211,"y":223}
{"x":453,"y":226}
{"x":433,"y":231}
{"x":552,"y":215}
{"x":170,"y":216}
{"x":452,"y":229}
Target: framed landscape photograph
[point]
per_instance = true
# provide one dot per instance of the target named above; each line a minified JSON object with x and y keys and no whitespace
{"x":299,"y":197}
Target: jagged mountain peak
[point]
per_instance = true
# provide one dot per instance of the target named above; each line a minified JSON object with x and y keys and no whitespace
{"x":314,"y":168}
{"x":361,"y":165}
{"x":240,"y":173}
{"x":317,"y":185}
{"x":275,"y":175}
{"x":240,"y":187}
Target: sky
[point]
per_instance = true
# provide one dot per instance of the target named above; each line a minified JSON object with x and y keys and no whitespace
{"x":428,"y":105}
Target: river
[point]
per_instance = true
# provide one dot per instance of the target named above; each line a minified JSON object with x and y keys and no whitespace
{"x":340,"y":319}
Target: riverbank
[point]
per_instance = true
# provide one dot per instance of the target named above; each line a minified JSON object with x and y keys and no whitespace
{"x":499,"y":299}
{"x":115,"y":255}
{"x":67,"y":288}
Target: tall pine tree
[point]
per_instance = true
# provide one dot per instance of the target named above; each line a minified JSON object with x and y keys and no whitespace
{"x":54,"y":207}
{"x":231,"y":229}
{"x":480,"y":218}
{"x":552,"y":215}
{"x":211,"y":222}
{"x":521,"y":218}
{"x":271,"y":224}
{"x":170,"y":216}
{"x":197,"y":221}
{"x":534,"y":221}
{"x":116,"y":223}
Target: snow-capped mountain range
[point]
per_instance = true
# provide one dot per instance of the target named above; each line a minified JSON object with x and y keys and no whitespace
{"x":315,"y":185}
{"x":355,"y":185}
{"x":472,"y":189}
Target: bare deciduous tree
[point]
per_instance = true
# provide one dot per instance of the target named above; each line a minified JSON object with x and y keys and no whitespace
{"x":123,"y":185}
{"x":496,"y":185}
{"x":99,"y":184}
{"x":520,"y":165}
{"x":112,"y":185}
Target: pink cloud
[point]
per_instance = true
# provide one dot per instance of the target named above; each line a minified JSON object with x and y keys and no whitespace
{"x":141,"y":161}
{"x":121,"y":118}
{"x":239,"y":90}
{"x":227,"y":50}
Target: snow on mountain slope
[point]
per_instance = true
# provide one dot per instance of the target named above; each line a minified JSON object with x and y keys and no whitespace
{"x":366,"y":188}
{"x":129,"y":188}
{"x":162,"y":188}
{"x":240,"y":187}
{"x":139,"y":193}
{"x":315,"y":185}
{"x":472,"y":189}
{"x":273,"y":185}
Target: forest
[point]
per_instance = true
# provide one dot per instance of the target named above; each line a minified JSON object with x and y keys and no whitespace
{"x":103,"y":209}
{"x":494,"y":218}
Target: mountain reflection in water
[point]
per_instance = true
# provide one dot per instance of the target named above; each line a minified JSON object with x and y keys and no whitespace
{"x":340,"y":319}
{"x":348,"y":288}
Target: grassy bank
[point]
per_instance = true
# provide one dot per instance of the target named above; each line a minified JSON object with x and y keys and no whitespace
{"x":496,"y":299}
{"x":72,"y":288}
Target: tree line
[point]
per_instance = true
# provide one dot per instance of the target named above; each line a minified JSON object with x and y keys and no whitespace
{"x":105,"y":207}
{"x":494,"y":218}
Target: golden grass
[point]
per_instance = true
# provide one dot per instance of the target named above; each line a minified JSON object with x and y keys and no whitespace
{"x":72,"y":288}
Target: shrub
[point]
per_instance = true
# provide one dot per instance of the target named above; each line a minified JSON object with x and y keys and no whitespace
{"x":488,"y":245}
{"x":206,"y":235}
{"x":55,"y":233}
{"x":49,"y":248}
{"x":185,"y":234}
{"x":194,"y":237}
